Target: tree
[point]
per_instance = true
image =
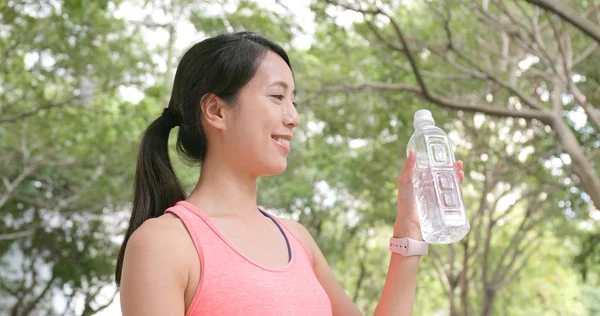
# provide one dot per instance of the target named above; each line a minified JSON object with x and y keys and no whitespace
{"x":502,"y":67}
{"x":513,"y":205}
{"x":342,"y":66}
{"x":68,"y":145}
{"x":63,"y":134}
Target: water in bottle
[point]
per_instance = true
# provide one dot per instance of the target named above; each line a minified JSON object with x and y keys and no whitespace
{"x":435,"y":183}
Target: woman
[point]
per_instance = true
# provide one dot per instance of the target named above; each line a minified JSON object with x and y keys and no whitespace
{"x":215,"y":252}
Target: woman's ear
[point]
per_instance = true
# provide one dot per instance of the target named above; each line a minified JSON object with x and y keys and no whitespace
{"x":213,"y":110}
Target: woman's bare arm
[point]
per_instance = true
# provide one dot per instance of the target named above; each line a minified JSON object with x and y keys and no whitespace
{"x":155,"y":272}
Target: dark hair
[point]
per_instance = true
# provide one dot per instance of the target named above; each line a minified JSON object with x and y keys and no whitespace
{"x":221,"y":65}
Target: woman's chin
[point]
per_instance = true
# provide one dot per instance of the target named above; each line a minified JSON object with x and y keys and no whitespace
{"x":275,"y":168}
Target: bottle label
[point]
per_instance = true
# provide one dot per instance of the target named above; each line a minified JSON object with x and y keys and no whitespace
{"x":447,"y":191}
{"x":445,"y":180}
{"x":438,"y":151}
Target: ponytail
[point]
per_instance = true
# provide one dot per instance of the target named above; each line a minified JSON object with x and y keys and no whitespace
{"x":156,"y":186}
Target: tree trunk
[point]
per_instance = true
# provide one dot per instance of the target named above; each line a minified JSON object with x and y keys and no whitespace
{"x":581,"y":165}
{"x":359,"y":281}
{"x":463,"y":281}
{"x":453,"y":311}
{"x":574,"y":18}
{"x":488,"y":302}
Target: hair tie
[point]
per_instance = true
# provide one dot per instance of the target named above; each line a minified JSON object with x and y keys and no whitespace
{"x":170,"y":118}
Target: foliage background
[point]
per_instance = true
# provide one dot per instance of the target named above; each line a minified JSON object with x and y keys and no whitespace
{"x":514,"y":83}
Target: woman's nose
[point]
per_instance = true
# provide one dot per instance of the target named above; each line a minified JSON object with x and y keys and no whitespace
{"x":291,"y":117}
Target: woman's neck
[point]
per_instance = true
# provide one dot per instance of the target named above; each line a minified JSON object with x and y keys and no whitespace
{"x":221,"y":190}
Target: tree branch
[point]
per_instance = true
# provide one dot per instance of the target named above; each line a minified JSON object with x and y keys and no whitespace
{"x":20,"y":116}
{"x":520,"y":94}
{"x":33,"y":303}
{"x":558,"y":83}
{"x":486,"y":252}
{"x":349,"y":7}
{"x":107,"y":304}
{"x":520,"y":267}
{"x":513,"y":205}
{"x":513,"y":20}
{"x":16,"y":235}
{"x":396,"y":27}
{"x":362,"y":273}
{"x":463,"y":279}
{"x":502,"y":278}
{"x":516,"y":35}
{"x":450,"y":60}
{"x":443,"y":76}
{"x":581,"y":166}
{"x":438,"y":266}
{"x":537,"y":37}
{"x":386,"y":42}
{"x":11,"y":186}
{"x":497,"y":111}
{"x":574,"y":18}
{"x":359,"y":280}
{"x":585,"y":54}
{"x":8,"y":290}
{"x":588,"y":108}
{"x":33,"y":111}
{"x":409,"y":55}
{"x":477,"y":218}
{"x":564,"y":61}
{"x":70,"y":299}
{"x":513,"y":245}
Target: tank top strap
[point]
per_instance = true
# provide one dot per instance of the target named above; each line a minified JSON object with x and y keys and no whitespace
{"x":207,"y":244}
{"x":199,"y":227}
{"x":297,"y":247}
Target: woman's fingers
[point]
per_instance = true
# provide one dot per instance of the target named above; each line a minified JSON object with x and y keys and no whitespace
{"x":458,"y":165}
{"x":459,"y":168}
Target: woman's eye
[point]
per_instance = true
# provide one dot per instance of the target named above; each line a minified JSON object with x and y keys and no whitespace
{"x":277,"y":96}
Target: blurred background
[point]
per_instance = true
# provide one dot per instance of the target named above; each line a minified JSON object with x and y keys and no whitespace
{"x":514,"y":82}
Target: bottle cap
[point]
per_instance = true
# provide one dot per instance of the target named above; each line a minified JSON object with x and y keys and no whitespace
{"x":422,"y":116}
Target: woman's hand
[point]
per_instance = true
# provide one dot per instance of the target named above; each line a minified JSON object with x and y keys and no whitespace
{"x":407,"y":220}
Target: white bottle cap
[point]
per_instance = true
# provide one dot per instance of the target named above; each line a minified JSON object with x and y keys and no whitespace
{"x":422,"y":116}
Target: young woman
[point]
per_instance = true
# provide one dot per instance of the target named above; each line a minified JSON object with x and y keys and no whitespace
{"x":215,"y":252}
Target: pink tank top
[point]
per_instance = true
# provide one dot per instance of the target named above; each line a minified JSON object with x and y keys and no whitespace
{"x":231,"y":284}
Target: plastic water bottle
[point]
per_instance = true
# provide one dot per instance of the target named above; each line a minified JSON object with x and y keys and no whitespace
{"x":436,"y":185}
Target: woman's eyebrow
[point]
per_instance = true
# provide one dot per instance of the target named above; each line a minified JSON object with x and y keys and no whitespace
{"x":283,"y":85}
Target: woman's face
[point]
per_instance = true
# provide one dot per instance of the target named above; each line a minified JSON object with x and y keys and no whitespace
{"x":264,"y":119}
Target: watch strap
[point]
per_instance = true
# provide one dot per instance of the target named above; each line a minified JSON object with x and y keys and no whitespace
{"x":408,"y":247}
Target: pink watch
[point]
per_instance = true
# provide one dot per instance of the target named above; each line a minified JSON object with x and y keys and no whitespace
{"x":408,"y":247}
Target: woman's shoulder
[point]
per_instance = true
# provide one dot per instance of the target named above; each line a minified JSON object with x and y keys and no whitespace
{"x":163,"y":240}
{"x":160,"y":231}
{"x":157,"y":267}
